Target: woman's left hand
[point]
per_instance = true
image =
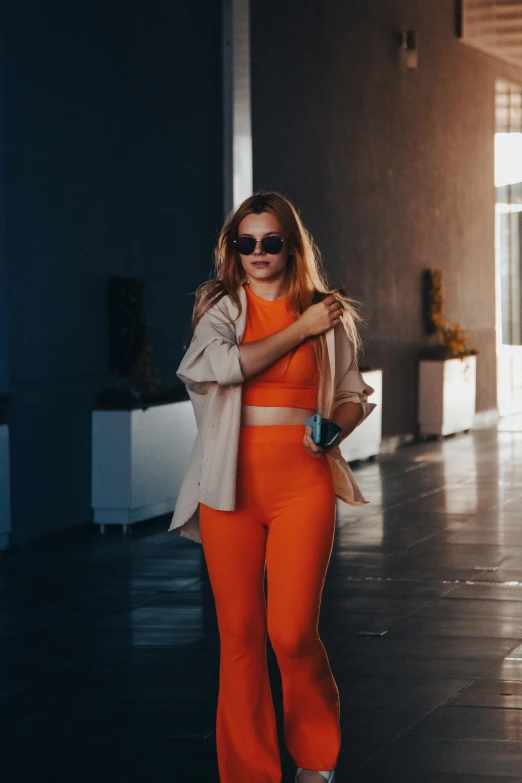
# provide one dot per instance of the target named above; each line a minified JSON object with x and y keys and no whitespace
{"x":310,"y":446}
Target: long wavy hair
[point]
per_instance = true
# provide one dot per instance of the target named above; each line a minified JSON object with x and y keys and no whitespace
{"x":306,"y":282}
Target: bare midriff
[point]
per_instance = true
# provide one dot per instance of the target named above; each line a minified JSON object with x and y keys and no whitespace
{"x":259,"y":416}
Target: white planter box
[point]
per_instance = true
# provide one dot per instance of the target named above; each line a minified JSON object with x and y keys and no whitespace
{"x":5,"y":488}
{"x":139,"y":459}
{"x":447,"y":389}
{"x":365,"y":441}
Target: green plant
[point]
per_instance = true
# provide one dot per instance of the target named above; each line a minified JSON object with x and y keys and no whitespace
{"x":449,"y":340}
{"x":133,"y":380}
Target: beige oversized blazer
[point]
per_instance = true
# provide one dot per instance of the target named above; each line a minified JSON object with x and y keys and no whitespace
{"x":212,"y":373}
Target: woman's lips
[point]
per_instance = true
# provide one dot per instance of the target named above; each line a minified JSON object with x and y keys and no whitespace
{"x":260,"y":263}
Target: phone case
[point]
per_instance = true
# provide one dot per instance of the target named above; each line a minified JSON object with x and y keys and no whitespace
{"x":315,"y":422}
{"x":324,"y":431}
{"x":329,"y":434}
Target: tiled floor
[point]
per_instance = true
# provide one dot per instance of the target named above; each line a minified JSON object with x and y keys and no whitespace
{"x":109,"y":651}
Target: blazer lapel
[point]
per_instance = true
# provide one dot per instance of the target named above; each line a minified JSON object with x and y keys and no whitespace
{"x":330,"y":377}
{"x":240,"y":323}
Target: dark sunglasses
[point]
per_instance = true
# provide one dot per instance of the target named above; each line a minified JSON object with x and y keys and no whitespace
{"x":246,"y":245}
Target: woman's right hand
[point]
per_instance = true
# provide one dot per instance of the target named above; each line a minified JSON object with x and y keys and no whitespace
{"x":322,"y":316}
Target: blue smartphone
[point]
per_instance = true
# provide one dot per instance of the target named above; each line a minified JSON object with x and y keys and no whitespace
{"x":325,"y":433}
{"x":315,"y":422}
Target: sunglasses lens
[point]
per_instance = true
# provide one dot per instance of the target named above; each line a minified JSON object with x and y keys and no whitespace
{"x":245,"y":245}
{"x":272,"y":245}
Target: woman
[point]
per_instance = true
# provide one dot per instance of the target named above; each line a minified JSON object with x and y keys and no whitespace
{"x":269,"y":346}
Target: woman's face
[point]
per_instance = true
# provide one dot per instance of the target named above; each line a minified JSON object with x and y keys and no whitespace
{"x":261,"y":265}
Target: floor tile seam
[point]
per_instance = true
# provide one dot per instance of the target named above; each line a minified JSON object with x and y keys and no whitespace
{"x":465,"y":687}
{"x":408,"y":735}
{"x":416,"y":678}
{"x":450,"y":592}
{"x":464,"y":617}
{"x":467,"y":740}
{"x":492,"y":602}
{"x":422,"y":678}
{"x":500,"y":660}
{"x":428,"y":603}
{"x":416,"y":656}
{"x":455,"y":544}
{"x":425,"y":538}
{"x":368,"y":761}
{"x":485,"y":582}
{"x":410,"y":469}
{"x":402,"y":580}
{"x":433,"y":580}
{"x":411,"y":726}
{"x":454,"y":636}
{"x":476,"y":707}
{"x":393,"y":623}
{"x":404,"y":735}
{"x":484,"y":678}
{"x":446,"y":701}
{"x":411,"y":499}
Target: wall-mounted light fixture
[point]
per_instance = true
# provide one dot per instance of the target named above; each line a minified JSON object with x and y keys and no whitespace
{"x":409,"y":49}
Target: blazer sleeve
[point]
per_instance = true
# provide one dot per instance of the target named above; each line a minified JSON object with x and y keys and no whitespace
{"x":213,"y":354}
{"x":350,"y":386}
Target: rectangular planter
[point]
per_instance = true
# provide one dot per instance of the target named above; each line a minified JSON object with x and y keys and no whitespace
{"x":139,"y":459}
{"x":365,"y":441}
{"x":447,"y":389}
{"x":5,"y":488}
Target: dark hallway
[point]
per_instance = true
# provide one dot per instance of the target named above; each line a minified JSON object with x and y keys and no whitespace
{"x":128,"y":132}
{"x":109,"y":652}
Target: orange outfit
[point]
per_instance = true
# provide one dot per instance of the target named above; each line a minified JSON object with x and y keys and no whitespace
{"x":293,"y":381}
{"x":284,"y":521}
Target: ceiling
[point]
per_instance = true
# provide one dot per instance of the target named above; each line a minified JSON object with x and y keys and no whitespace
{"x":495,"y":27}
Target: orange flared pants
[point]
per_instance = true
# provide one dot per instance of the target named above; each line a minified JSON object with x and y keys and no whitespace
{"x":284,"y":521}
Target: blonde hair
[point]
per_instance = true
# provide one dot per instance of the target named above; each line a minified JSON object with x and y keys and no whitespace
{"x":305,"y":278}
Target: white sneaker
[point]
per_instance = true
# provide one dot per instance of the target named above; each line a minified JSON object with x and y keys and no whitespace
{"x":329,"y":775}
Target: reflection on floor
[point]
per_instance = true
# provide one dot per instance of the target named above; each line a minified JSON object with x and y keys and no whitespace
{"x":109,"y":651}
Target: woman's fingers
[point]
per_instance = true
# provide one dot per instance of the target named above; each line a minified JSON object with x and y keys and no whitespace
{"x":310,"y":446}
{"x":334,"y":308}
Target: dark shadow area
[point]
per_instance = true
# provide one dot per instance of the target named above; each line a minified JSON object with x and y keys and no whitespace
{"x":109,"y":649}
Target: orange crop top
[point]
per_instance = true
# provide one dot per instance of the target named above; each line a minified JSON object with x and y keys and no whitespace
{"x":294,"y":379}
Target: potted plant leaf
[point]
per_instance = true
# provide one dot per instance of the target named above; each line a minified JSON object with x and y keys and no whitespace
{"x":142,"y":429}
{"x":447,"y":368}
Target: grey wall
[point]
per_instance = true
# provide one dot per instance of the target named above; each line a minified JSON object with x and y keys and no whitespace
{"x":392,"y":171}
{"x":112,"y":134}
